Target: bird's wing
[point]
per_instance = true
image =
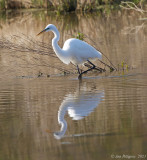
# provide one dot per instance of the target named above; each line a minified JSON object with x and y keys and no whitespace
{"x":81,"y":49}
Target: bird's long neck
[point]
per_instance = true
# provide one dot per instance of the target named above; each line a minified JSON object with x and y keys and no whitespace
{"x":63,"y":128}
{"x":55,"y":40}
{"x":59,"y":52}
{"x":62,"y":121}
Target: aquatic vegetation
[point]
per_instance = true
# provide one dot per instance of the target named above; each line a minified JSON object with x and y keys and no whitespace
{"x":123,"y":66}
{"x":70,"y":5}
{"x":79,"y":36}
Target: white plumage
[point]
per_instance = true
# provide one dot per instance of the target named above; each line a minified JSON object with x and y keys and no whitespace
{"x":74,"y":50}
{"x":78,"y":105}
{"x":79,"y":51}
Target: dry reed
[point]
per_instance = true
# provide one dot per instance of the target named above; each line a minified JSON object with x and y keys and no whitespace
{"x":22,"y":43}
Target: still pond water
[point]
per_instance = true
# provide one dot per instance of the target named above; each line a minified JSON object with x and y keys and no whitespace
{"x":104,"y":116}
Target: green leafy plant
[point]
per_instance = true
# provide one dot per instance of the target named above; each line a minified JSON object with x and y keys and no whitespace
{"x":123,"y":66}
{"x":79,"y":36}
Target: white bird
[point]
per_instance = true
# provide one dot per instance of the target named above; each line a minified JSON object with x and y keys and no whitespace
{"x":74,"y":50}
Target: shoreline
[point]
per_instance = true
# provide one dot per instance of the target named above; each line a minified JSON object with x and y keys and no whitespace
{"x":71,"y":6}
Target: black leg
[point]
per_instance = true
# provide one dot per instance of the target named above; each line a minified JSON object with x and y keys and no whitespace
{"x":90,"y":68}
{"x":91,"y":64}
{"x":97,"y":68}
{"x":78,"y":69}
{"x":93,"y":67}
{"x":87,"y":70}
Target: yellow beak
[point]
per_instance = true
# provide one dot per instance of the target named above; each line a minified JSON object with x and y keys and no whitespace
{"x":41,"y":32}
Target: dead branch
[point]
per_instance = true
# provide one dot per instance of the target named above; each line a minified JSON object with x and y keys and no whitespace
{"x":132,"y":6}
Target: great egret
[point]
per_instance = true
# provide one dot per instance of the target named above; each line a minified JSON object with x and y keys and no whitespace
{"x":74,"y":50}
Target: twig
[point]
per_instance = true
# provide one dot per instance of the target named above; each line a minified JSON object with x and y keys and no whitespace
{"x":27,"y":44}
{"x":131,"y":6}
{"x":114,"y":68}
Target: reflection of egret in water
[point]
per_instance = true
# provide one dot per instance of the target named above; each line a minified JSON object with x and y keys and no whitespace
{"x":78,"y":105}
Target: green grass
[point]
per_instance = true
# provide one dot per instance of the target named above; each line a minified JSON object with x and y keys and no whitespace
{"x":2,"y":4}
